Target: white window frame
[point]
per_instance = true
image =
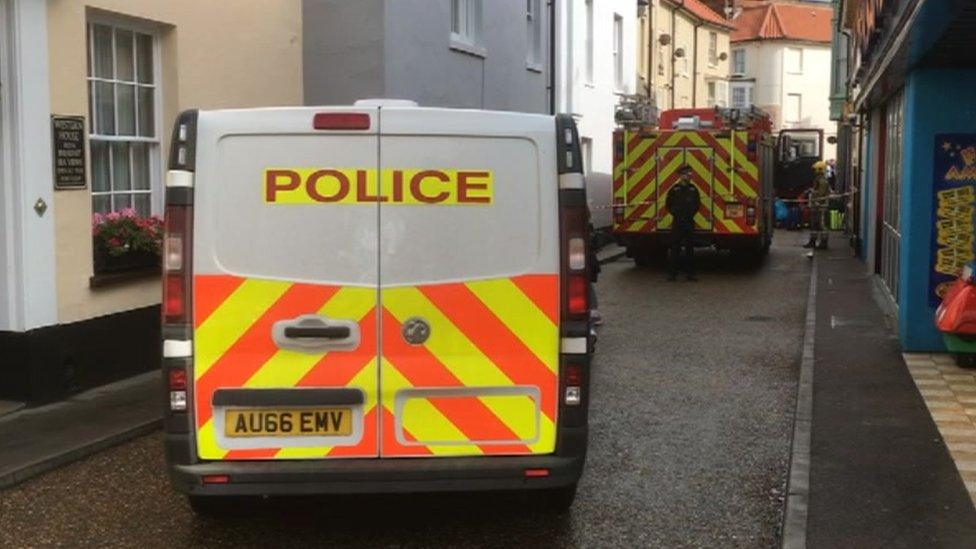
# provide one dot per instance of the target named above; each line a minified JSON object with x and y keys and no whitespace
{"x":533,"y":25}
{"x":786,"y":57}
{"x":738,"y":62}
{"x":747,"y":89}
{"x":154,"y":143}
{"x":799,"y":108}
{"x":465,"y":25}
{"x":588,"y":21}
{"x":712,"y":49}
{"x":618,"y":52}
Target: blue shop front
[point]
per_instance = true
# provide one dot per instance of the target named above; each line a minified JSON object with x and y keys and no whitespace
{"x":911,"y":117}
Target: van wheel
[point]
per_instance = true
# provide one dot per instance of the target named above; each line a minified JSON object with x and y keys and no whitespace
{"x":216,"y":506}
{"x":559,"y":500}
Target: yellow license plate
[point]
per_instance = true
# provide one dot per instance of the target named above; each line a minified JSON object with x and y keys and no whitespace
{"x":299,"y":422}
{"x":735,"y":210}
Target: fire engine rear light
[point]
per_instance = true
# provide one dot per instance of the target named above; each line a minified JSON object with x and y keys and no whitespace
{"x":577,"y":253}
{"x":341,"y":121}
{"x":751,"y":215}
{"x":536,"y":473}
{"x":177,"y":401}
{"x":215,"y":479}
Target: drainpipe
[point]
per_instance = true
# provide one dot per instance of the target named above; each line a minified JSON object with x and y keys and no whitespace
{"x":552,"y":57}
{"x":694,"y":71}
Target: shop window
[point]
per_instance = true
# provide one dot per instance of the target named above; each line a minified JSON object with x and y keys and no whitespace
{"x":123,"y":114}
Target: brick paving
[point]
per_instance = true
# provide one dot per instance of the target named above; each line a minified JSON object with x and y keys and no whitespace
{"x":950,"y":395}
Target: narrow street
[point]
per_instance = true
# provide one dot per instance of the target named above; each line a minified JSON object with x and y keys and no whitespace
{"x":691,"y":418}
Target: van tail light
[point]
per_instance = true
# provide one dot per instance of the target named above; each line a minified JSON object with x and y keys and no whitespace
{"x":176,"y":264}
{"x":576,"y":278}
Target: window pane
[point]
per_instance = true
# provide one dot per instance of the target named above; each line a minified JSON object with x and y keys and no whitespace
{"x":140,"y":166}
{"x":120,"y":167}
{"x":99,"y":166}
{"x":147,"y":116}
{"x":126,"y":96}
{"x":142,"y":204}
{"x":102,"y":203}
{"x":144,"y":55}
{"x":123,"y":56}
{"x":121,"y":201}
{"x":105,"y":108}
{"x":102,"y":50}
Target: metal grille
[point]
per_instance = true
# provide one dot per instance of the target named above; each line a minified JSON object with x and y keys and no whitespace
{"x":891,"y":219}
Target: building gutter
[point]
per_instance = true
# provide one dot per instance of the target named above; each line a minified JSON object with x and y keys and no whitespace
{"x":881,"y":66}
{"x":552,"y":57}
{"x":694,"y":71}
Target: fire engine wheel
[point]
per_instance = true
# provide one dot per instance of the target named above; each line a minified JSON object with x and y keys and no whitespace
{"x":966,"y":360}
{"x":558,"y":500}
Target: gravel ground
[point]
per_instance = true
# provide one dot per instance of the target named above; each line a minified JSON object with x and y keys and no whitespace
{"x":693,"y":395}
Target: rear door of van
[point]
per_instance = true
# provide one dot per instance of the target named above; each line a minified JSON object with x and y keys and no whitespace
{"x":469,"y":262}
{"x":285,"y":284}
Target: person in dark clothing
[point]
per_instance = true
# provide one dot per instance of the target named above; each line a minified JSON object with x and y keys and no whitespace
{"x":683,"y":202}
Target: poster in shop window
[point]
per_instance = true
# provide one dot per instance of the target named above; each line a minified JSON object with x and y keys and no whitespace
{"x":953,"y":207}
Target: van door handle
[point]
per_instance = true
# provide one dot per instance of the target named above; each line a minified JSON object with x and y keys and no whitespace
{"x":316,"y":334}
{"x":328,"y":332}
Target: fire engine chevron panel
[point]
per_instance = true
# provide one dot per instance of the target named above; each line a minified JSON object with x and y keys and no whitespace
{"x":349,"y":310}
{"x":730,"y":156}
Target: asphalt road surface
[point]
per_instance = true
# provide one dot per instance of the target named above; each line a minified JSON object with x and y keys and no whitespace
{"x":693,"y":395}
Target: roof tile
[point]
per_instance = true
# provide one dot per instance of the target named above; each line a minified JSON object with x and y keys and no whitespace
{"x":775,"y":21}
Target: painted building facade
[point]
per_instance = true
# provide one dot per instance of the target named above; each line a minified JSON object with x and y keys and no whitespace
{"x":908,"y":111}
{"x":781,"y":63}
{"x":122,"y":69}
{"x":683,"y":59}
{"x":595,"y":62}
{"x":477,"y":54}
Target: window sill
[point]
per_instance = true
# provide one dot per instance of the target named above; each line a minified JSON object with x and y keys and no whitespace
{"x":105,"y":280}
{"x":468,"y":48}
{"x":534,"y":67}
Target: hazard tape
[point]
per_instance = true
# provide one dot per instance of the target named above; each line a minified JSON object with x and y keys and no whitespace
{"x":786,"y":200}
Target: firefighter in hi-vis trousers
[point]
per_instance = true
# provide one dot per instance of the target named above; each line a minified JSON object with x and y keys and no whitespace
{"x":819,"y":194}
{"x":683,"y":202}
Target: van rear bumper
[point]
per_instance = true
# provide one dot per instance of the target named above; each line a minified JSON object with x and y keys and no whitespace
{"x":389,"y":475}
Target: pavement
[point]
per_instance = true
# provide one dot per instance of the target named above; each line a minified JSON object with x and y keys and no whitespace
{"x":693,"y":390}
{"x":36,"y":440}
{"x":880,"y":473}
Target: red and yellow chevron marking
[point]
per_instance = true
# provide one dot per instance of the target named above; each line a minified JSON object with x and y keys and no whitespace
{"x":500,"y":335}
{"x":721,"y":171}
{"x":233,"y":348}
{"x":496,"y":334}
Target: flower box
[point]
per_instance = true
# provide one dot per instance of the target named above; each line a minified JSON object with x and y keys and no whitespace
{"x":124,"y":241}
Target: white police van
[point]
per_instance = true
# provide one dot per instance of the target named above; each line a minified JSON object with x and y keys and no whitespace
{"x":375,"y":298}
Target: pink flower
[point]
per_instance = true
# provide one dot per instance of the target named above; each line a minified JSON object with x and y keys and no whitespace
{"x":97,"y":218}
{"x":114,"y":242}
{"x":129,"y":213}
{"x":113,"y":216}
